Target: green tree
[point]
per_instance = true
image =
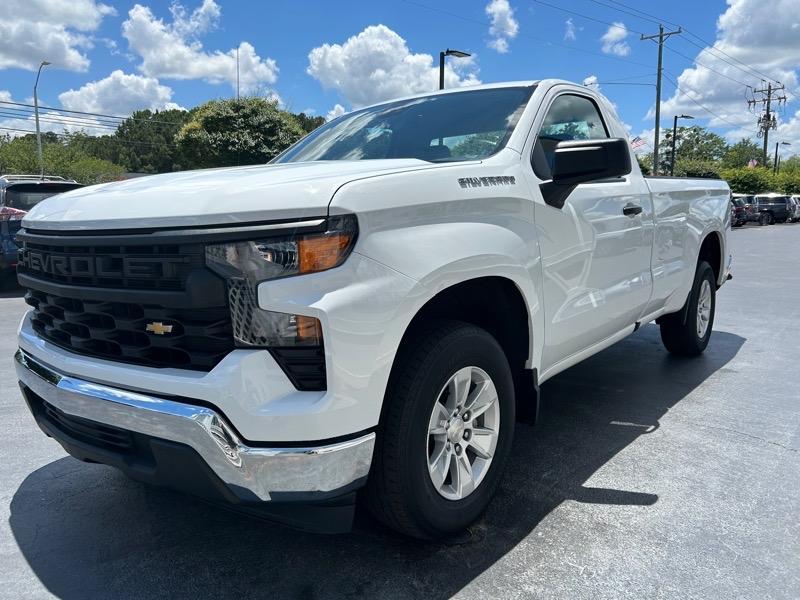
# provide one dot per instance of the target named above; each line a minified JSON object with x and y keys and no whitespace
{"x":308,"y":122}
{"x":18,"y":155}
{"x":237,"y":132}
{"x":749,"y":181}
{"x":791,"y":164}
{"x":788,"y":182}
{"x":693,"y":167}
{"x":692,"y":144}
{"x":146,"y":141}
{"x":741,"y":153}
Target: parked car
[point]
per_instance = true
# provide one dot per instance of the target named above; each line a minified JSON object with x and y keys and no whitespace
{"x":773,"y":208}
{"x":741,"y":210}
{"x":370,"y":310}
{"x":19,"y":194}
{"x":796,"y":202}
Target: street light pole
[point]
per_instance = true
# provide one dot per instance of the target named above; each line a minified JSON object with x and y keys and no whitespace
{"x":448,"y":52}
{"x":674,"y":135}
{"x":775,"y":167}
{"x":44,"y":63}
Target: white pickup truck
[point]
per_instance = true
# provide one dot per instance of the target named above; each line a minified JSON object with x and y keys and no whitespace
{"x":366,"y":315}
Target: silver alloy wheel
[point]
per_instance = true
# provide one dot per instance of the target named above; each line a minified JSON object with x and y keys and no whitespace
{"x":462,"y":433}
{"x":703,"y":309}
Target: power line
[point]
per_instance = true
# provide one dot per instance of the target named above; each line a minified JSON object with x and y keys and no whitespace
{"x":48,"y":119}
{"x":685,"y":90}
{"x":693,"y":60}
{"x":78,"y":112}
{"x":711,"y":47}
{"x":525,"y":36}
{"x":699,"y":64}
{"x":583,"y":16}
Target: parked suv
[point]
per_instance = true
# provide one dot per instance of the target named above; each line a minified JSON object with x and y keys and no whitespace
{"x":19,"y":194}
{"x":773,"y":208}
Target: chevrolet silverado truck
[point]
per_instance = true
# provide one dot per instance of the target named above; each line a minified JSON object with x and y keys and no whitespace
{"x":364,"y":318}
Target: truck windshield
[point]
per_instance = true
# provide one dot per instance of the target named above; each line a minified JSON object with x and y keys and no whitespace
{"x":24,"y":196}
{"x":457,"y":126}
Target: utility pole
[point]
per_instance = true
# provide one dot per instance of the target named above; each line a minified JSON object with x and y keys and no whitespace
{"x":767,"y":120}
{"x":662,"y":36}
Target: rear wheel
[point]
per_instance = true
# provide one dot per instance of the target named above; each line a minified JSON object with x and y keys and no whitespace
{"x":446,"y":433}
{"x":765,"y":219}
{"x":688,"y":331}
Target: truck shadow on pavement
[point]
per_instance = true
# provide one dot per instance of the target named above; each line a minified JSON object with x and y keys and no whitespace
{"x":87,"y":531}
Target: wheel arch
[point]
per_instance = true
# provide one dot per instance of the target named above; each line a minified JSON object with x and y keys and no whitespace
{"x":496,"y":304}
{"x":712,"y":251}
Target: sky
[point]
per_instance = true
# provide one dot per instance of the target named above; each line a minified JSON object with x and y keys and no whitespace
{"x":325,"y":58}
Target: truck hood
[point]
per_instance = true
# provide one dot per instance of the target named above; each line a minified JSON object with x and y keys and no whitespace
{"x":228,"y":196}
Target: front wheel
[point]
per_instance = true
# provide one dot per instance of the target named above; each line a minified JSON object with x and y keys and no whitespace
{"x":688,"y":331}
{"x":446,"y":431}
{"x":764,"y":219}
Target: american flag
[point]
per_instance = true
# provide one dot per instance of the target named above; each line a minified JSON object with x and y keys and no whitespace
{"x":637,"y":142}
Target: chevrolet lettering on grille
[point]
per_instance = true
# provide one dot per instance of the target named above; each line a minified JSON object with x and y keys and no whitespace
{"x":99,"y":266}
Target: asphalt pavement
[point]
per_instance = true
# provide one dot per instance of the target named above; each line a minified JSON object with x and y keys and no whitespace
{"x":648,"y":477}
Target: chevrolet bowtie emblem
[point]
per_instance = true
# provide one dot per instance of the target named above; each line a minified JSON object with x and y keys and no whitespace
{"x":158,"y":328}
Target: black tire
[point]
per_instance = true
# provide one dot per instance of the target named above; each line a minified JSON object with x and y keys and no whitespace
{"x":399,"y":491}
{"x":679,"y":334}
{"x":764,"y":219}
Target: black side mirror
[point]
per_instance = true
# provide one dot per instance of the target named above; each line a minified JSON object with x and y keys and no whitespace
{"x":582,"y":161}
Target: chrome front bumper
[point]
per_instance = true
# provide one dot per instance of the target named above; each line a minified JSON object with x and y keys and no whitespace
{"x":252,"y":473}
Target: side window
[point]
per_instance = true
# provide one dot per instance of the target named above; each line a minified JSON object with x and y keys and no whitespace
{"x":569,"y":117}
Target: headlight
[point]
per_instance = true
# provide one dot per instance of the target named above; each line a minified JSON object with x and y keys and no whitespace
{"x":270,"y":258}
{"x":245,"y":264}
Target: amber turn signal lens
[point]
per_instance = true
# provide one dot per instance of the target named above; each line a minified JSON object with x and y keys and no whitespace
{"x":309,"y":330}
{"x":323,"y":252}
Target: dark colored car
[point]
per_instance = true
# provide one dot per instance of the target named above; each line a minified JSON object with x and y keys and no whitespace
{"x":773,"y":208}
{"x":741,"y":210}
{"x":19,"y":194}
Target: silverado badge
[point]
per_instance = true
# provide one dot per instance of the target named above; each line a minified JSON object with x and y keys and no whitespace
{"x":158,"y":328}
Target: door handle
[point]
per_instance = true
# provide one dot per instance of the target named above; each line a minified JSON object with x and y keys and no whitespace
{"x":631,"y":210}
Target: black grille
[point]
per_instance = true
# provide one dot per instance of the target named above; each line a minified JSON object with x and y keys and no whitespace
{"x":138,"y":267}
{"x":88,"y":432}
{"x":304,"y":366}
{"x":198,"y":338}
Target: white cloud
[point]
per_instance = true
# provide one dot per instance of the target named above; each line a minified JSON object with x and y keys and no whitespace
{"x":172,"y":50}
{"x":570,"y":32}
{"x":337,"y":111}
{"x":767,"y":41}
{"x":592,"y":82}
{"x":35,"y":30}
{"x":119,"y":94}
{"x":377,"y":65}
{"x":5,"y":96}
{"x":614,"y":40}
{"x":504,"y":26}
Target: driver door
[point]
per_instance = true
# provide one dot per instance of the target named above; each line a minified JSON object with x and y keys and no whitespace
{"x":596,"y":249}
